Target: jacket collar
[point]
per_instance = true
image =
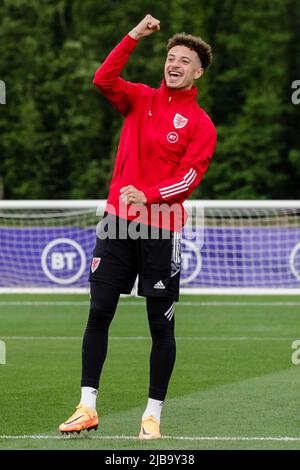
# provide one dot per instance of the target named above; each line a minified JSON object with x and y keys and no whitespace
{"x":170,"y":94}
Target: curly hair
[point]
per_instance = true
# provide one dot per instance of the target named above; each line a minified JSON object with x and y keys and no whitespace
{"x":194,"y":43}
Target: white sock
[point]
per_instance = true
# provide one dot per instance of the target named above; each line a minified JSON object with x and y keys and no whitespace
{"x":89,"y":397}
{"x":153,"y":408}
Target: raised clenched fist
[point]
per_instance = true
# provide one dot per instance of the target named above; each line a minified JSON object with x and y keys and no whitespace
{"x":147,"y":26}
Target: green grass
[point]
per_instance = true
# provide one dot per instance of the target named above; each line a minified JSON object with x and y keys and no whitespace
{"x":233,"y":376}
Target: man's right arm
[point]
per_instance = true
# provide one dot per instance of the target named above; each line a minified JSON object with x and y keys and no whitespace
{"x":118,"y":91}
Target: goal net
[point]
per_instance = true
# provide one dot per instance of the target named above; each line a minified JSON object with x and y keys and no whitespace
{"x":229,"y":247}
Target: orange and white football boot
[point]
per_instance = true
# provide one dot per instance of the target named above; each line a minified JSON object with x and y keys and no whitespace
{"x":150,"y":428}
{"x":83,"y":418}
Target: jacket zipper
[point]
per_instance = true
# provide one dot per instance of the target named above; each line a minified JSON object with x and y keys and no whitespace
{"x":158,"y":124}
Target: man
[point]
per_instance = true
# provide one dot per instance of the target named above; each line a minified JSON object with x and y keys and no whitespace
{"x":166,"y":145}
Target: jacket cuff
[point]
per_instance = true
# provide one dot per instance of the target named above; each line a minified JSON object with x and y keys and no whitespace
{"x":130,"y":40}
{"x":152,"y":194}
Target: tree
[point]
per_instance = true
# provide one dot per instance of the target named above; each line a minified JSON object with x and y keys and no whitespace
{"x":59,"y":135}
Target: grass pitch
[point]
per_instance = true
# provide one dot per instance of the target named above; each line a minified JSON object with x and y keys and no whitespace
{"x":234,"y":385}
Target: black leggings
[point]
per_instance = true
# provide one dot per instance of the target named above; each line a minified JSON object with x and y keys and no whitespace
{"x":104,"y":300}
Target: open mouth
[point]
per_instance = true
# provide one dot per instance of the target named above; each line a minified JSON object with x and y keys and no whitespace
{"x":174,"y":75}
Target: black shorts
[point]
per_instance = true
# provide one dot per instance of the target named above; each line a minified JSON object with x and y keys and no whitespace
{"x":126,"y":249}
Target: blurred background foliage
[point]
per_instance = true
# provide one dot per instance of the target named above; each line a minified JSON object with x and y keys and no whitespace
{"x":58,"y":135}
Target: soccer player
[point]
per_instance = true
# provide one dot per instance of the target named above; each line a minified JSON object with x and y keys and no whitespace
{"x":166,"y":146}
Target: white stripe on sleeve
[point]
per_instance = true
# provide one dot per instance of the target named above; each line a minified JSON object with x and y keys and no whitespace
{"x":181,"y":186}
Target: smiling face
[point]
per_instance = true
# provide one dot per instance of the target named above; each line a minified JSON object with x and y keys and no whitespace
{"x":182,"y":67}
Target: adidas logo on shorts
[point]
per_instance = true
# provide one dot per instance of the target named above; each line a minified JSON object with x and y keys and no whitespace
{"x":159,"y":285}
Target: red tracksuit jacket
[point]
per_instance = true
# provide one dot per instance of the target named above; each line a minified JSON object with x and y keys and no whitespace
{"x":166,"y":144}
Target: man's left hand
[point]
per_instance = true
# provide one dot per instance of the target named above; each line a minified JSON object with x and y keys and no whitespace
{"x":131,"y":195}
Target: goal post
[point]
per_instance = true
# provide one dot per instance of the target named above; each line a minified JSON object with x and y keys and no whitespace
{"x":228,"y":247}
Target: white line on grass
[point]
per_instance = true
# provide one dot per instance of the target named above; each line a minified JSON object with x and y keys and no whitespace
{"x":133,"y":303}
{"x":146,"y":338}
{"x":182,"y":438}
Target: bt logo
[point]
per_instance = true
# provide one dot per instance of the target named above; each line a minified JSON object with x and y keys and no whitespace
{"x":172,"y":137}
{"x":63,"y":261}
{"x":191,"y":262}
